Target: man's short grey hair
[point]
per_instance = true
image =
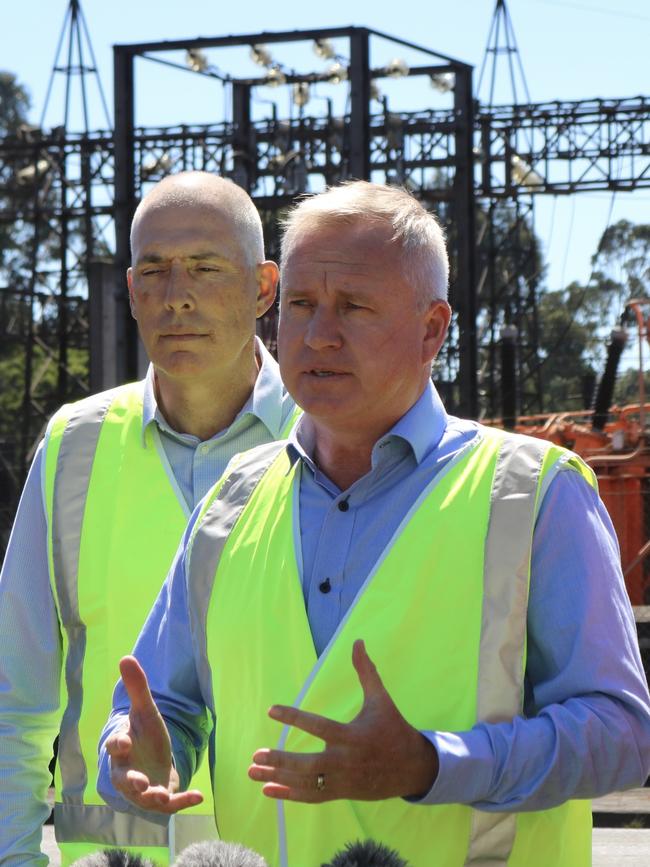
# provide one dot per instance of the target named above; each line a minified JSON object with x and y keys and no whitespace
{"x":202,"y":189}
{"x":416,"y":232}
{"x":214,"y":853}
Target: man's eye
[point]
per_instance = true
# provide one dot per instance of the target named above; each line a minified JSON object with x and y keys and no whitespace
{"x":148,"y":272}
{"x":299,"y":302}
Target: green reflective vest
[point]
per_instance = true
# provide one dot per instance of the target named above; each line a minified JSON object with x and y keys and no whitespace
{"x":114,"y":522}
{"x":460,"y":561}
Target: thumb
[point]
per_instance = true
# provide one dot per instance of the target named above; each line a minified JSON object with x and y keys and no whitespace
{"x":136,"y":685}
{"x":371,"y":683}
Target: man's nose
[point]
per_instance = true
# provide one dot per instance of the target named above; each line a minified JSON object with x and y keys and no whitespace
{"x":323,"y":330}
{"x":178,"y":294}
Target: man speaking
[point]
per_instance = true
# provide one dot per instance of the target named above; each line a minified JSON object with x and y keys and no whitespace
{"x":407,"y":626}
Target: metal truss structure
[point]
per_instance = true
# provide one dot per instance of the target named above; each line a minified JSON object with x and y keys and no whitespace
{"x":69,"y":198}
{"x":565,"y":147}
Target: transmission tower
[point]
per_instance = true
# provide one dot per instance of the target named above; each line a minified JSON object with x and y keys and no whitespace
{"x":509,"y":372}
{"x":502,"y":44}
{"x":74,"y":61}
{"x":53,"y":173}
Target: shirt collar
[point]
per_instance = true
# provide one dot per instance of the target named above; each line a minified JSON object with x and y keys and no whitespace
{"x":265,"y":401}
{"x":421,"y":427}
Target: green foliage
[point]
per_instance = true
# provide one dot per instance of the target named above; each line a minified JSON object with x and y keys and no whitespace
{"x":623,"y":258}
{"x":14,"y":104}
{"x":626,"y":390}
{"x":575,"y":323}
{"x":568,"y":344}
{"x":23,"y":417}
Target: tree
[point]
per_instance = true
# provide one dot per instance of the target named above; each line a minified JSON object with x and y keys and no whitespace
{"x":14,"y":104}
{"x":30,"y":304}
{"x":575,"y":323}
{"x":623,"y":260}
{"x":568,"y":347}
{"x":626,"y":390}
{"x":511,"y":271}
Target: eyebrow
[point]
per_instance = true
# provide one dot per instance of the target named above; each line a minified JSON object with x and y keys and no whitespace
{"x":156,"y":258}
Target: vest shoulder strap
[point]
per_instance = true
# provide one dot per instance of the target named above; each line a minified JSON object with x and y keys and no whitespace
{"x":221,"y":510}
{"x":238,"y":482}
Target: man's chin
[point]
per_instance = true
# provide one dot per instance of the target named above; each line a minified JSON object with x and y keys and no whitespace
{"x":329,"y":411}
{"x":180,"y":365}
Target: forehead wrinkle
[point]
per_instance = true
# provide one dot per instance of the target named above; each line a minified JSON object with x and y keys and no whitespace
{"x":192,"y":257}
{"x":315,"y":268}
{"x":335,"y":260}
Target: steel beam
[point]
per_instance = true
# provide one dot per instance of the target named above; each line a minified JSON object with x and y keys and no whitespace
{"x":126,"y":348}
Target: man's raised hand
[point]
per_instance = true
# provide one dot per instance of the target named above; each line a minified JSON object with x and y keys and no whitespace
{"x":375,"y":756}
{"x":140,"y":752}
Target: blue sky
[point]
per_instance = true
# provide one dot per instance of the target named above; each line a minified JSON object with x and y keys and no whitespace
{"x":570,"y":49}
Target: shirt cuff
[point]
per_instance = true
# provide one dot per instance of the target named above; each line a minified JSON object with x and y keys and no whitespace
{"x":466,"y":767}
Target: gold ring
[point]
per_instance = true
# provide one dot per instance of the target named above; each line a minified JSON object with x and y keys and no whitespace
{"x":320,"y":782}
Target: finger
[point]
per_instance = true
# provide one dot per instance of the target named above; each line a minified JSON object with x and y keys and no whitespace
{"x":303,"y":763}
{"x":129,"y":782}
{"x":154,"y":798}
{"x":136,"y":685}
{"x":119,"y":745}
{"x":319,"y":726}
{"x":268,"y":774}
{"x":371,"y":683}
{"x":173,"y":804}
{"x":296,"y":793}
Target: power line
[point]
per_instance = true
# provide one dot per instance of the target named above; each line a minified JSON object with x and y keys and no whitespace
{"x":584,"y":7}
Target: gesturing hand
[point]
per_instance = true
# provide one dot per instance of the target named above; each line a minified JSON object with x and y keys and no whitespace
{"x":141,"y":758}
{"x":375,"y":756}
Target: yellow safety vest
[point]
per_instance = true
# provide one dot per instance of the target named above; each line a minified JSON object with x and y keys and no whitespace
{"x":114,"y":523}
{"x":443,"y":615}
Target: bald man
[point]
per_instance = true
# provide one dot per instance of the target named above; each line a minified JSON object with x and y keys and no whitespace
{"x":107,"y":498}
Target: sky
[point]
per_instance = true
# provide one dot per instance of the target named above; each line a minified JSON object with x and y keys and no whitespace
{"x":569,"y":49}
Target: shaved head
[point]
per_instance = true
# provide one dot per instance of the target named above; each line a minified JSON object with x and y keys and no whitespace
{"x":209,"y":192}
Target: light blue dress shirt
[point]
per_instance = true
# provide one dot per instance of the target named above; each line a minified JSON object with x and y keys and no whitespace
{"x":30,"y":640}
{"x":587,"y":724}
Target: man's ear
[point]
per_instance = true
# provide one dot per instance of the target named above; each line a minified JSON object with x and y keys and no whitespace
{"x":437,"y":318}
{"x":129,"y":283}
{"x":267,"y":275}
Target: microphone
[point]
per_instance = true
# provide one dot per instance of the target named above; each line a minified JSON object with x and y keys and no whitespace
{"x":113,"y":858}
{"x":366,"y":854}
{"x":217,"y":853}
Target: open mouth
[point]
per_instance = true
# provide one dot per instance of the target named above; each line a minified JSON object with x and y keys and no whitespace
{"x":324,"y":374}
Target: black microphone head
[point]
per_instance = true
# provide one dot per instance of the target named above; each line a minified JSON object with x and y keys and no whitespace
{"x":113,"y":858}
{"x":366,"y":854}
{"x":218,"y":853}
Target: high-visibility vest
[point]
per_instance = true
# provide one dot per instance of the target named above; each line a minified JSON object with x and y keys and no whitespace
{"x":115,"y":520}
{"x":443,"y":615}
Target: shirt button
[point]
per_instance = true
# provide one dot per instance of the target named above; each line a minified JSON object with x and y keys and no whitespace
{"x":325,"y":586}
{"x":344,"y":506}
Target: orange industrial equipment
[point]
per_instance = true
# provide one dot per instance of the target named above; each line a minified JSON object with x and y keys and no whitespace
{"x":615,"y":442}
{"x":621,"y":460}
